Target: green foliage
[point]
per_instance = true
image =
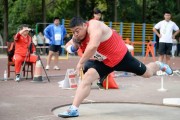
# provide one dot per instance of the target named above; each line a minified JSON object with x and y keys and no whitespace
{"x":64,"y":9}
{"x":156,"y":9}
{"x":129,"y":11}
{"x":30,"y":11}
{"x":23,"y":12}
{"x":1,"y":17}
{"x":177,"y":19}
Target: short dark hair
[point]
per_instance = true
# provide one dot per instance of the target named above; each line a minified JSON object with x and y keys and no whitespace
{"x":97,"y":11}
{"x":56,"y":18}
{"x":23,"y":25}
{"x":167,"y":12}
{"x":76,"y":21}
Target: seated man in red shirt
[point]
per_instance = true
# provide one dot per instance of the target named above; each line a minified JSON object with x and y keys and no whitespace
{"x":24,"y":49}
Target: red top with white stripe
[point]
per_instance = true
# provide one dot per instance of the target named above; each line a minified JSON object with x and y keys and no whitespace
{"x":111,"y":51}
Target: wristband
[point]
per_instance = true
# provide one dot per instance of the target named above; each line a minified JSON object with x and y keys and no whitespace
{"x":71,"y":49}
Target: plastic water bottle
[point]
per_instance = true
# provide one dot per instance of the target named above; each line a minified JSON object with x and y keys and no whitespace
{"x":5,"y":75}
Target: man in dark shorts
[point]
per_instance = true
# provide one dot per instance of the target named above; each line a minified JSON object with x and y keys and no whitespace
{"x":166,"y":36}
{"x":55,"y":33}
{"x":108,"y":49}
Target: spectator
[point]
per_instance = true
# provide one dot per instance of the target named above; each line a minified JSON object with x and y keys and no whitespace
{"x":23,"y":49}
{"x":40,"y":41}
{"x":166,"y":27}
{"x":55,"y":33}
{"x":174,"y":47}
{"x":46,"y":44}
{"x":97,"y":14}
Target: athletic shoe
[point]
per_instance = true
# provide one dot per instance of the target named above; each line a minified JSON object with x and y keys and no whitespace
{"x":17,"y":79}
{"x":69,"y":113}
{"x":164,"y":67}
{"x":47,"y":67}
{"x":56,"y":68}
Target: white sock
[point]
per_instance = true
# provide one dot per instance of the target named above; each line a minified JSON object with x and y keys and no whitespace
{"x":74,"y":107}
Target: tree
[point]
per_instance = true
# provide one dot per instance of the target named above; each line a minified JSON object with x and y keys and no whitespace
{"x":24,"y":12}
{"x":44,"y":12}
{"x":144,"y":12}
{"x":33,"y":11}
{"x":1,"y":16}
{"x":5,"y":37}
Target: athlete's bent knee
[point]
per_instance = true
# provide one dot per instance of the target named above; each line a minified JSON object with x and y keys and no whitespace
{"x":147,"y":74}
{"x":90,"y":76}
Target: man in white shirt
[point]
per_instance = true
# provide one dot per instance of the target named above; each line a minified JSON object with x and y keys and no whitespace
{"x":166,"y":28}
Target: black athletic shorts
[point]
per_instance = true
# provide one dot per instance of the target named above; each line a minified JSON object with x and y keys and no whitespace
{"x":55,"y":48}
{"x":128,"y":64}
{"x":165,"y":48}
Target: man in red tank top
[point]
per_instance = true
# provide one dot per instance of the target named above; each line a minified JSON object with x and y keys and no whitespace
{"x":108,"y":49}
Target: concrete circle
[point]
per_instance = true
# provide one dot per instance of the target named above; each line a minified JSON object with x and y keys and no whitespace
{"x":123,"y":111}
{"x":47,"y":117}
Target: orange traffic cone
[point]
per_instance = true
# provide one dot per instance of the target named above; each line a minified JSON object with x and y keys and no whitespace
{"x":150,"y":49}
{"x":111,"y":82}
{"x":38,"y":72}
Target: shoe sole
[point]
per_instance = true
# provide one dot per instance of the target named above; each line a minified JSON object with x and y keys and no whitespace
{"x":56,"y":69}
{"x":65,"y":116}
{"x":171,"y":73}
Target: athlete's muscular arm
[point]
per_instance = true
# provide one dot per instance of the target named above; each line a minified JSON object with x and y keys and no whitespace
{"x":95,"y":35}
{"x":69,"y":43}
{"x":72,"y":46}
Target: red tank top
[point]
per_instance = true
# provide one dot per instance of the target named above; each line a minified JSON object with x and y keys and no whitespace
{"x":111,"y":51}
